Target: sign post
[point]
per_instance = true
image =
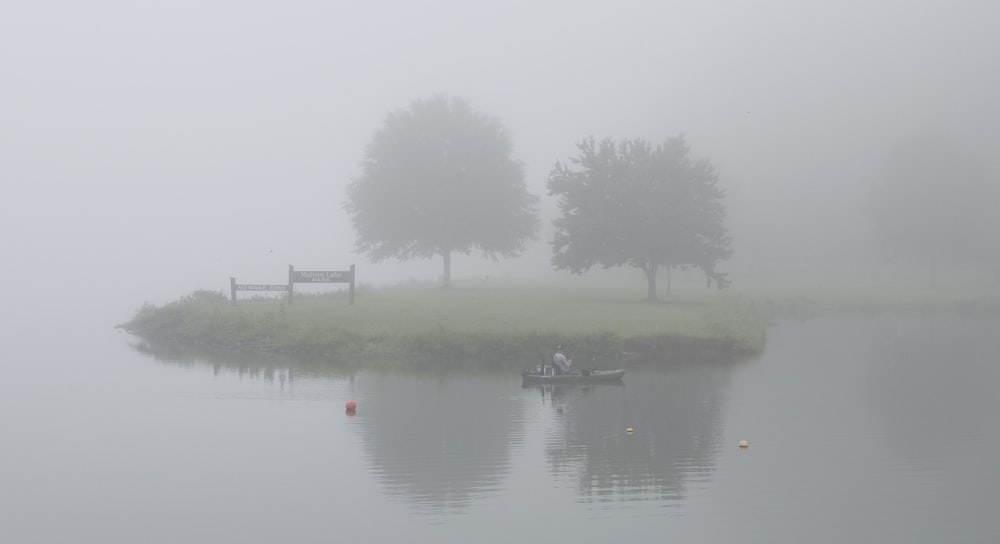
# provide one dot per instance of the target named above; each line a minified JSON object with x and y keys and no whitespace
{"x":233,"y":287}
{"x":321,"y":276}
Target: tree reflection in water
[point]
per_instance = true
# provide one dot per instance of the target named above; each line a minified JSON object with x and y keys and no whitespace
{"x":676,"y":413}
{"x":444,"y":442}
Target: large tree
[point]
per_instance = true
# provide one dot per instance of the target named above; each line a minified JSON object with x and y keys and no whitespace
{"x":632,"y":203}
{"x":438,"y":178}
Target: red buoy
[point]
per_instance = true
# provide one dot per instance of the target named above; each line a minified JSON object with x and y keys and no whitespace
{"x":351,"y":406}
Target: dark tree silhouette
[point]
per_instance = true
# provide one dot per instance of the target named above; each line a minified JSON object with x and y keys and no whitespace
{"x":439,"y":178}
{"x":639,"y":205}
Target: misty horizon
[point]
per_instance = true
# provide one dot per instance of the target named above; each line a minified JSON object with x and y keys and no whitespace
{"x":167,"y":148}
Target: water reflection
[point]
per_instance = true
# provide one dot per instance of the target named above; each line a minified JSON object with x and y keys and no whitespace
{"x":444,"y":442}
{"x":676,"y":414}
{"x":861,"y":430}
{"x":441,"y":443}
{"x":933,"y":382}
{"x":268,"y":366}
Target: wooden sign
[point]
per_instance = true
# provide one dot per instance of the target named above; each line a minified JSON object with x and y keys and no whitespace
{"x":320,"y":276}
{"x":260,"y":287}
{"x":257,"y":287}
{"x":323,"y":276}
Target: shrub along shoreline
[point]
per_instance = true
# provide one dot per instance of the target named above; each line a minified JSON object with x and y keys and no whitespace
{"x":511,"y":326}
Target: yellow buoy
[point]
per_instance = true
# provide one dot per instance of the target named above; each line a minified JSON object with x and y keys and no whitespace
{"x":629,"y":430}
{"x":744,"y":444}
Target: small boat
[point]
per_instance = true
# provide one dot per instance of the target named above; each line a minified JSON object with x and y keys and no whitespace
{"x":532,"y":376}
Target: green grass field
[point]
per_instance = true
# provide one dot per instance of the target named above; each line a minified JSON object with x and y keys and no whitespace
{"x":601,"y":316}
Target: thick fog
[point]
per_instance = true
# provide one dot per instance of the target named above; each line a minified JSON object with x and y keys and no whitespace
{"x":148,"y":149}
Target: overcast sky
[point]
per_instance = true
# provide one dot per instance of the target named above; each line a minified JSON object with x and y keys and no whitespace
{"x":153,"y":148}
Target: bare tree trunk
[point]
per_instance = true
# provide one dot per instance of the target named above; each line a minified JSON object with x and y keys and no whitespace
{"x":447,"y":268}
{"x":651,"y":282}
{"x":668,"y":280}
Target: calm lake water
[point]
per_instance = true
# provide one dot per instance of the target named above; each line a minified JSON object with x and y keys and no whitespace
{"x":864,"y":430}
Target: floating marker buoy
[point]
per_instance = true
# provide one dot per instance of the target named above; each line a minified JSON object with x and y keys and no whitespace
{"x":629,"y":430}
{"x":351,"y":405}
{"x":744,"y":444}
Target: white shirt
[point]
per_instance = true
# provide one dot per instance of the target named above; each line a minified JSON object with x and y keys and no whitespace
{"x":560,"y":361}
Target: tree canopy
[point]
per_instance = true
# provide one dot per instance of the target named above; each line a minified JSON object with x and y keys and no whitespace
{"x":439,"y":178}
{"x":632,"y":203}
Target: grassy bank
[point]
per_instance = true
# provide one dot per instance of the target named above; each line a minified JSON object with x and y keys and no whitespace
{"x":498,"y":325}
{"x":516,"y":323}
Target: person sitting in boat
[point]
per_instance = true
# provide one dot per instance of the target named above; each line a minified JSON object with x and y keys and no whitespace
{"x":560,"y":363}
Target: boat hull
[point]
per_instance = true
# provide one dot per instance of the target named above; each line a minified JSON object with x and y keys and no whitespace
{"x":595,"y":376}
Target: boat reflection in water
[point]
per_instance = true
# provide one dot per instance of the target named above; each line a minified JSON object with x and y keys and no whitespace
{"x":676,"y":414}
{"x":442,"y":443}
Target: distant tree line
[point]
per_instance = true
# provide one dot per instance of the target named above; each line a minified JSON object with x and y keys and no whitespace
{"x":439,"y":178}
{"x":936,"y":202}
